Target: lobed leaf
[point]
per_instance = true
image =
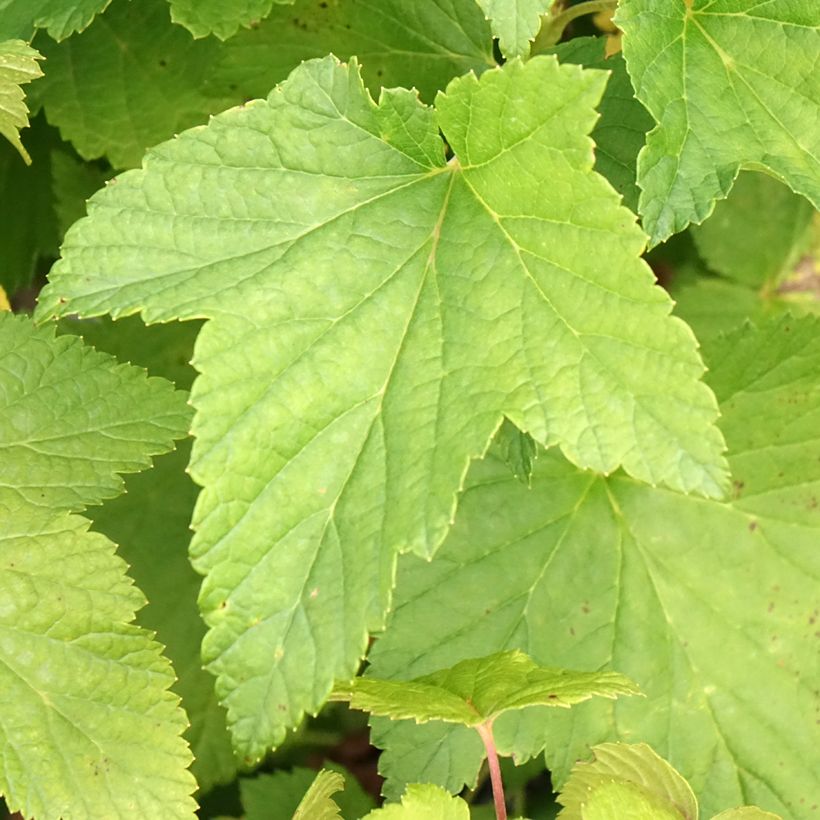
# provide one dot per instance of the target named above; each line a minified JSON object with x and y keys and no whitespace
{"x":20,"y":18}
{"x":18,"y":66}
{"x":730,"y":84}
{"x":353,"y":293}
{"x":515,"y":23}
{"x":709,"y":606}
{"x":423,"y":802}
{"x":88,"y":727}
{"x":478,"y":690}
{"x":204,"y":17}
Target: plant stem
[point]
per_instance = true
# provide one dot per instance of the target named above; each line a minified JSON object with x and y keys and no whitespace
{"x":554,"y":27}
{"x":485,"y":730}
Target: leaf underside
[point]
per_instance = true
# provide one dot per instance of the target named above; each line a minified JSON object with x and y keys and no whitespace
{"x":356,"y":294}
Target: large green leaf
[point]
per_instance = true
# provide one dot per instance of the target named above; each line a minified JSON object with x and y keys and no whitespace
{"x":20,"y":18}
{"x":423,"y":44}
{"x":129,"y":81}
{"x":423,"y":802}
{"x":515,"y":23}
{"x":731,"y":84}
{"x":203,"y":17}
{"x":620,"y":133}
{"x":708,"y":606}
{"x":478,"y":690}
{"x":356,"y":294}
{"x":87,"y":726}
{"x":18,"y":66}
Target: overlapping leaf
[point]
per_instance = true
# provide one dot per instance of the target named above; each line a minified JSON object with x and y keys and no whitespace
{"x":87,"y":726}
{"x":318,"y":802}
{"x":423,"y":802}
{"x":18,"y":66}
{"x":129,"y":81}
{"x":710,"y":607}
{"x":356,"y":295}
{"x":731,"y":84}
{"x":20,"y":18}
{"x":203,"y":17}
{"x":423,"y":44}
{"x":515,"y":23}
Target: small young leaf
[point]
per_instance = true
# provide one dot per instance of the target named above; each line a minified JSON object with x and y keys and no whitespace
{"x":318,"y":803}
{"x":423,"y":802}
{"x":18,"y":66}
{"x":636,"y":766}
{"x":515,"y":23}
{"x":729,"y":85}
{"x":479,"y":690}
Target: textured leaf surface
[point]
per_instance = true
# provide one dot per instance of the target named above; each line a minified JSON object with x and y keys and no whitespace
{"x":20,"y":18}
{"x":353,"y":293}
{"x":515,"y":23}
{"x":87,"y":726}
{"x":203,"y":17}
{"x":710,"y":607}
{"x":129,"y":81}
{"x":423,"y":44}
{"x":18,"y":66}
{"x":746,"y":813}
{"x":730,"y":83}
{"x":423,"y":802}
{"x":635,"y":765}
{"x":517,"y":449}
{"x":478,"y":690}
{"x":318,"y":802}
{"x":620,"y":133}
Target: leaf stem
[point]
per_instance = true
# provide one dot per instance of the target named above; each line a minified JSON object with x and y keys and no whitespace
{"x":554,"y":26}
{"x":485,"y":730}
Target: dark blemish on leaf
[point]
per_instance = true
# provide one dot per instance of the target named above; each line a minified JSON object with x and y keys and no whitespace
{"x":282,"y":708}
{"x":553,"y":697}
{"x":737,"y":487}
{"x":572,"y":630}
{"x":163,"y":63}
{"x":752,"y":526}
{"x":254,"y":24}
{"x":812,"y":502}
{"x":771,"y":606}
{"x":379,"y":73}
{"x":585,"y":608}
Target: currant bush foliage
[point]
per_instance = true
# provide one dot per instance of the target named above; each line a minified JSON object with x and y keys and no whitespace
{"x":416,"y":272}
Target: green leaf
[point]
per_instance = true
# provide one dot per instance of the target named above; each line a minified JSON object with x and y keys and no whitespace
{"x":730,"y":85}
{"x":754,"y":236}
{"x":623,"y":799}
{"x":204,"y":17}
{"x":317,"y":804}
{"x":276,"y":796}
{"x":746,"y":813}
{"x":478,"y":690}
{"x":423,"y":44}
{"x":18,"y":66}
{"x":418,"y":289}
{"x":708,"y":606}
{"x":423,"y":802}
{"x":93,"y":731}
{"x":20,"y":18}
{"x":650,"y":777}
{"x":515,"y":23}
{"x":127,"y":82}
{"x":620,"y":133}
{"x":73,"y":182}
{"x":517,"y":449}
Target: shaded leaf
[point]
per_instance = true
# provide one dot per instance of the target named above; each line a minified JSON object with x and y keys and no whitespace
{"x":517,"y":449}
{"x":72,"y":183}
{"x":18,"y":66}
{"x":479,"y":690}
{"x":708,"y":606}
{"x":88,"y":728}
{"x":730,"y":85}
{"x":416,"y":292}
{"x":20,"y":18}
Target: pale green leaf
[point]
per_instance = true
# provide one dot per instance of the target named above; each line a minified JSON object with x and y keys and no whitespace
{"x":129,"y":81}
{"x":88,"y":727}
{"x":754,"y":236}
{"x":318,"y":803}
{"x":614,"y":800}
{"x":276,"y":796}
{"x":204,"y":17}
{"x":731,"y":84}
{"x":635,"y":765}
{"x":423,"y":802}
{"x":515,"y":23}
{"x":353,"y":292}
{"x":746,"y":813}
{"x":620,"y":133}
{"x":708,"y":606}
{"x":20,"y":18}
{"x":18,"y":66}
{"x":480,"y":689}
{"x":423,"y":44}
